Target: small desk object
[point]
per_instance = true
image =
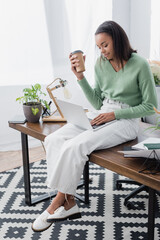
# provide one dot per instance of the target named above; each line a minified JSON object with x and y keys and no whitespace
{"x":110,"y":159}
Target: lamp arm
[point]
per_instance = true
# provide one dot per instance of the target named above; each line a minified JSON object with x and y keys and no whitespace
{"x":57,"y":86}
{"x":54,"y":100}
{"x":54,"y":81}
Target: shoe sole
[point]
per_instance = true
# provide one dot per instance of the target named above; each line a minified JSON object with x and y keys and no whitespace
{"x":71,"y":217}
{"x":40,"y":230}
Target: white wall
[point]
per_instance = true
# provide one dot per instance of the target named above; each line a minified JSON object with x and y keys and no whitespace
{"x":9,"y":138}
{"x":140,"y":26}
{"x":121,"y":14}
{"x":135,"y":17}
{"x":24,"y":46}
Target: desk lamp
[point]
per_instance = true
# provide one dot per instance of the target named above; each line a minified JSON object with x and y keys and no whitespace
{"x":51,"y":87}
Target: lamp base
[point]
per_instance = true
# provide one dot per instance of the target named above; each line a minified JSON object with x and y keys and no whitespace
{"x":53,"y":119}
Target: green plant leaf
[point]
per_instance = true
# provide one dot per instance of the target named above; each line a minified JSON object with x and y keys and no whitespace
{"x":37,"y":86}
{"x":27,"y":90}
{"x":35,"y":111}
{"x":19,"y":98}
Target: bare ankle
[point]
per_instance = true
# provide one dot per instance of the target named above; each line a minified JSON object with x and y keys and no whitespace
{"x":70,"y":202}
{"x":56,"y":203}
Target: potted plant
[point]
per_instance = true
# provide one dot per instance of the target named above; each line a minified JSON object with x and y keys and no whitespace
{"x":33,"y":103}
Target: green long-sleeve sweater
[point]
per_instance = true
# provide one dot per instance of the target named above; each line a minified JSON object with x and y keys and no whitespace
{"x":133,"y":85}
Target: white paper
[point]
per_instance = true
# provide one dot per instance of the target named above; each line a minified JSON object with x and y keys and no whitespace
{"x":148,"y":140}
{"x":140,"y":153}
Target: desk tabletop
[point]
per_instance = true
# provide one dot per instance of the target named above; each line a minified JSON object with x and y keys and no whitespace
{"x":108,"y":158}
{"x":37,"y":130}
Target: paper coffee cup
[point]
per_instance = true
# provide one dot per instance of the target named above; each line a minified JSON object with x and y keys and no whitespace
{"x":79,"y":54}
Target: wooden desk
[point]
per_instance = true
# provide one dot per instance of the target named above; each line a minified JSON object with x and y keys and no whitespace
{"x":109,"y":158}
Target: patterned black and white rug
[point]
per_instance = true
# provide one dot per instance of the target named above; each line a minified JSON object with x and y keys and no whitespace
{"x":105,"y":218}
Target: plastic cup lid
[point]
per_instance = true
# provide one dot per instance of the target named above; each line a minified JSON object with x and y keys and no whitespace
{"x":77,"y":51}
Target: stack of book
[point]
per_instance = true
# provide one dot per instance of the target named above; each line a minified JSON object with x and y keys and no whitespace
{"x":144,"y":149}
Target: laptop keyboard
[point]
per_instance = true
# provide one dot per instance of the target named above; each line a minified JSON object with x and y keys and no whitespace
{"x":95,"y":126}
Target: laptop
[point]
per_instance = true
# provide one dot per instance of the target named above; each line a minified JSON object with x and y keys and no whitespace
{"x":76,"y":115}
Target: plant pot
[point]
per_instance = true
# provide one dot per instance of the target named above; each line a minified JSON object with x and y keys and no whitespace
{"x":28,"y":113}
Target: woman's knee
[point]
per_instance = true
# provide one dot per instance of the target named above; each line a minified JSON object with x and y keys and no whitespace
{"x":77,"y":148}
{"x":54,"y":140}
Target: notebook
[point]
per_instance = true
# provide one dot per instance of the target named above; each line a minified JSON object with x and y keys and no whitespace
{"x":76,"y":115}
{"x":19,"y":119}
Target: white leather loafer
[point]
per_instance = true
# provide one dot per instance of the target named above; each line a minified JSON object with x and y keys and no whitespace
{"x":41,"y":224}
{"x":61,"y":214}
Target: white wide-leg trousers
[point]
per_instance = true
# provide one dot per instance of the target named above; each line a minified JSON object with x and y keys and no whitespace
{"x":68,"y":148}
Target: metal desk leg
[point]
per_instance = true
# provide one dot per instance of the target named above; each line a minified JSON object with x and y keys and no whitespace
{"x":151,"y":213}
{"x":85,"y":182}
{"x":26,"y":170}
{"x":25,"y":156}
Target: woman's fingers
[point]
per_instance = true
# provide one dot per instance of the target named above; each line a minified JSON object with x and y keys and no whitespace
{"x":74,"y":60}
{"x":74,"y":64}
{"x":103,"y":118}
{"x":98,"y":120}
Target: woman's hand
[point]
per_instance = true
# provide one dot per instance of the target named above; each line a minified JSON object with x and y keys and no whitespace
{"x":75,"y":63}
{"x":103,"y":118}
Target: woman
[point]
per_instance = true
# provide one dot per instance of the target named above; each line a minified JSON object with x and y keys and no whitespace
{"x":124,"y":90}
